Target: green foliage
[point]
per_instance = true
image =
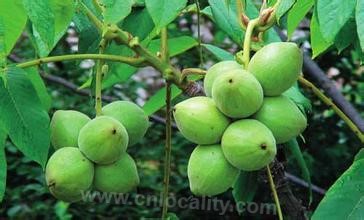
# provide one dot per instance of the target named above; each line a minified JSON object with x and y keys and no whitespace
{"x":226,"y":18}
{"x":245,"y":187}
{"x":296,"y":14}
{"x":116,"y":10}
{"x":39,"y":86}
{"x":359,"y":17}
{"x":294,"y":149}
{"x":284,"y":7}
{"x":3,"y":137}
{"x":24,"y":116}
{"x":170,"y":9}
{"x":333,"y":15}
{"x":12,"y":25}
{"x":345,"y":195}
{"x":318,"y":43}
{"x":24,"y":98}
{"x":50,"y":20}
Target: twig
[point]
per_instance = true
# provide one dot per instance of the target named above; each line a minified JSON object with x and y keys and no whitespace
{"x":128,"y":60}
{"x":167,"y":156}
{"x":98,"y":79}
{"x":301,"y":182}
{"x":329,"y":102}
{"x":274,"y":192}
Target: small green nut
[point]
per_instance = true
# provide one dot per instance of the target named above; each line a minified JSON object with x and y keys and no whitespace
{"x":277,"y":67}
{"x":237,"y":93}
{"x":119,"y":177}
{"x":216,"y":70}
{"x":248,"y":145}
{"x":208,"y":171}
{"x":103,"y":140}
{"x":69,"y":174}
{"x":131,"y":116}
{"x":199,"y":120}
{"x":65,"y":127}
{"x":282,"y":117}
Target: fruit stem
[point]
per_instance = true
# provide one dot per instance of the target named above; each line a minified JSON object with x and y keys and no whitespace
{"x":332,"y":105}
{"x":167,"y":155}
{"x":275,"y":195}
{"x":98,"y":79}
{"x":193,"y":71}
{"x":247,"y":41}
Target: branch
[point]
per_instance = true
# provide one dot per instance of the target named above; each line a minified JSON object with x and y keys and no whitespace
{"x":312,"y":70}
{"x":137,"y":62}
{"x":113,"y":32}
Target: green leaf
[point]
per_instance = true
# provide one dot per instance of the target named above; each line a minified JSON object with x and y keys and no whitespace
{"x":23,"y":115}
{"x":297,"y":97}
{"x":3,"y":136}
{"x":318,"y":43}
{"x":145,"y":23}
{"x":13,"y":19}
{"x":245,"y":188}
{"x":219,"y":53}
{"x":2,"y":45}
{"x":359,"y":17}
{"x":172,"y":216}
{"x":296,"y":14}
{"x":225,"y":16}
{"x":62,"y":12}
{"x":176,"y":45}
{"x":42,"y":17}
{"x":38,"y":84}
{"x":346,"y":36}
{"x":158,"y":100}
{"x":359,"y":155}
{"x":116,"y":10}
{"x":296,"y":152}
{"x":332,"y":16}
{"x":345,"y":197}
{"x":283,"y":7}
{"x":164,"y":12}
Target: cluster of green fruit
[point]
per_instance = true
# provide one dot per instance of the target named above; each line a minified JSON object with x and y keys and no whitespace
{"x":92,"y":153}
{"x":243,"y":117}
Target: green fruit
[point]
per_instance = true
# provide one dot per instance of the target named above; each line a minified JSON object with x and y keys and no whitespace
{"x":68,"y":174}
{"x":131,"y":116}
{"x":217,"y":70}
{"x":119,"y":177}
{"x":282,"y":117}
{"x":248,"y":145}
{"x":277,"y":67}
{"x":237,"y":93}
{"x":200,"y":121}
{"x":65,"y":127}
{"x":209,"y":173}
{"x":103,"y":140}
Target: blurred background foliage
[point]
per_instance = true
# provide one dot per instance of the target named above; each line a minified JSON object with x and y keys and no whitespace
{"x":329,"y":145}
